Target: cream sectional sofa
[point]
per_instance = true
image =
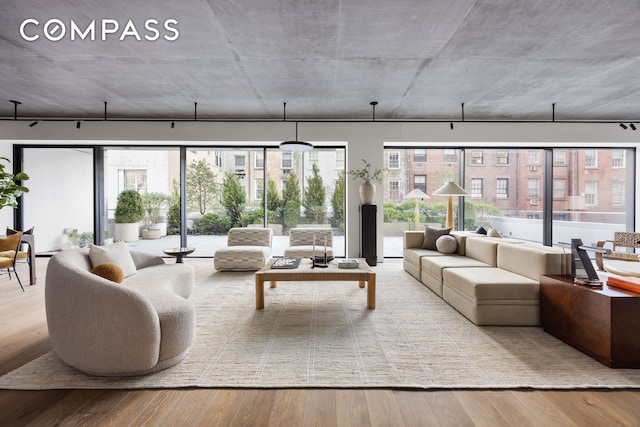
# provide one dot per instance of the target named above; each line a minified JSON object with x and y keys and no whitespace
{"x":491,"y":281}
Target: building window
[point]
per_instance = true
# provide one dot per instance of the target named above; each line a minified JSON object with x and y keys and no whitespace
{"x":618,"y":193}
{"x":534,"y":158}
{"x":259,"y":160}
{"x":313,"y":158}
{"x":259,"y":190}
{"x":394,"y":161}
{"x":559,"y":188}
{"x":533,"y":187}
{"x":340,"y":159}
{"x":591,"y":193}
{"x":135,"y":179}
{"x":420,"y":182}
{"x":449,"y":155}
{"x":394,"y":190}
{"x":476,"y":187}
{"x":419,"y":155}
{"x":239,"y":162}
{"x":217,"y":158}
{"x":559,"y":157}
{"x":617,"y":158}
{"x":591,"y":158}
{"x":502,"y":158}
{"x":287,"y":160}
{"x":502,"y":188}
{"x":477,"y":158}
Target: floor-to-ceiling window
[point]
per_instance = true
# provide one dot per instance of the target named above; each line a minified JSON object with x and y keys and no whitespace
{"x":592,"y":191}
{"x":59,"y":204}
{"x":153,"y":173}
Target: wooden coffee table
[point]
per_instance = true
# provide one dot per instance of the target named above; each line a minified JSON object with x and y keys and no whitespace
{"x":304,"y":273}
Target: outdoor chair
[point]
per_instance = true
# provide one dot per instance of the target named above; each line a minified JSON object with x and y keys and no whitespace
{"x":620,"y":261}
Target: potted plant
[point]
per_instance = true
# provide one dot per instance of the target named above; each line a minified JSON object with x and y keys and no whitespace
{"x":10,"y":189}
{"x":129,"y":212}
{"x":155,"y":205}
{"x":367,"y":174}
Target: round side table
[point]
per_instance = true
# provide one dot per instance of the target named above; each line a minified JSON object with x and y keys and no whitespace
{"x":179,"y":253}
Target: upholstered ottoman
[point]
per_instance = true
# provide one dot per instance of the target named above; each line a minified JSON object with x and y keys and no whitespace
{"x":247,"y":249}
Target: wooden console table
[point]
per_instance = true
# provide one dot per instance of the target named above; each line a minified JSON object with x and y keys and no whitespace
{"x":603,"y":323}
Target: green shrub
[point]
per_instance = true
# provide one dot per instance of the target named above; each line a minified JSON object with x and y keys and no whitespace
{"x":211,"y":223}
{"x":129,"y":208}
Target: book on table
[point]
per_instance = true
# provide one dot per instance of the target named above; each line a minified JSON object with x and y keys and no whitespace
{"x":348,"y":263}
{"x":286,"y":263}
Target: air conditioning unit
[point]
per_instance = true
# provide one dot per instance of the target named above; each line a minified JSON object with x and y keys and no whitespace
{"x":534,"y":201}
{"x":286,"y":171}
{"x":533,"y":168}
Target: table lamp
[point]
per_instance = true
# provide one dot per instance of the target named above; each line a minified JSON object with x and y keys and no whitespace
{"x":416,"y":194}
{"x":450,"y":189}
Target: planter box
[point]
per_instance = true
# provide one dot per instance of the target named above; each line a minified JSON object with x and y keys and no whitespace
{"x":151,"y":234}
{"x":127,"y":232}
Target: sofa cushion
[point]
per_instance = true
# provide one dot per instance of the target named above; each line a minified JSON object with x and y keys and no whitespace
{"x":446,"y":244}
{"x":414,"y":255}
{"x":528,"y":261}
{"x":117,"y":253}
{"x":304,"y":251}
{"x":493,"y":284}
{"x":431,"y":235}
{"x":241,"y":258}
{"x":109,"y":271}
{"x":482,"y":249}
{"x":435,"y":265}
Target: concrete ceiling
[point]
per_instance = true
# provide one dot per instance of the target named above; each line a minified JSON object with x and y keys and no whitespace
{"x":328,"y":59}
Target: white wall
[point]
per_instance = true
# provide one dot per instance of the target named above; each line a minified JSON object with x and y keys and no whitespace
{"x":365,"y":140}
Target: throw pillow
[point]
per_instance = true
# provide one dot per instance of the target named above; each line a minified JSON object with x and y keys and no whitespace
{"x":109,"y":271}
{"x":431,"y":235}
{"x":446,"y":244}
{"x":494,"y":233}
{"x":117,"y":253}
{"x":481,"y":230}
{"x":10,"y":243}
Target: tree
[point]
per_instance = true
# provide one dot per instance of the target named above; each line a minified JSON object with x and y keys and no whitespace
{"x":314,"y":197}
{"x":10,"y":188}
{"x":274,"y":202}
{"x":201,"y":186}
{"x":337,"y":202}
{"x":291,"y":202}
{"x":233,"y":197}
{"x":291,"y":191}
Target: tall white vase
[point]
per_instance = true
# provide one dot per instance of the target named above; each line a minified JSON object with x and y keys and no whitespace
{"x":367,"y":192}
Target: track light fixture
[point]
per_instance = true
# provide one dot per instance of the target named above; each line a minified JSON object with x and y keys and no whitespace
{"x":33,"y":124}
{"x":373,"y":107}
{"x":631,"y":125}
{"x":451,"y":125}
{"x":173,"y":125}
{"x":15,"y":108}
{"x":78,"y":125}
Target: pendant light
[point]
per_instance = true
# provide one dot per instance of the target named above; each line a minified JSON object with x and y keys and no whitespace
{"x":296,"y":145}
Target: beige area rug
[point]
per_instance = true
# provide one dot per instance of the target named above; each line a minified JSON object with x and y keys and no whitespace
{"x":320,"y":334}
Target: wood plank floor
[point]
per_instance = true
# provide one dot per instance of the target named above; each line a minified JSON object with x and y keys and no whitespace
{"x":23,"y":337}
